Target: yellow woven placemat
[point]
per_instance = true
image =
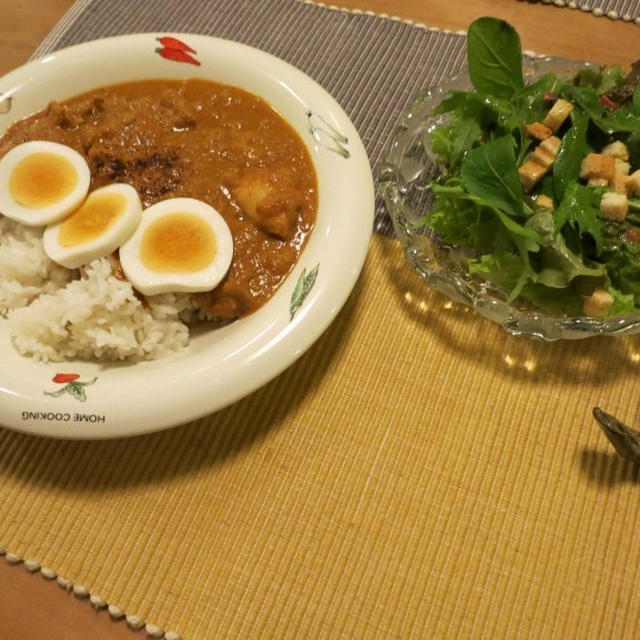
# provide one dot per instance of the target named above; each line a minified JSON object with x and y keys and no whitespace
{"x":417,"y":474}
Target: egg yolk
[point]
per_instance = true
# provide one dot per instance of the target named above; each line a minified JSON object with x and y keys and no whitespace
{"x":41,"y":179}
{"x":178,"y":242}
{"x":96,"y":216}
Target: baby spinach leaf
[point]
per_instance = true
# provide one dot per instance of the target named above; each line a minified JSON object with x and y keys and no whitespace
{"x":458,"y":101}
{"x":467,"y":132}
{"x":625,"y":119}
{"x":503,"y":112}
{"x":633,"y":144}
{"x":573,"y":149}
{"x":531,"y":99}
{"x":494,"y":57}
{"x":486,"y":109}
{"x":579,"y":207}
{"x":587,"y":99}
{"x":489,"y":172}
{"x":636,"y":99}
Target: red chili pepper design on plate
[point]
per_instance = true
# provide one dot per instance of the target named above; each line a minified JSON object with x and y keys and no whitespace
{"x":176,"y":50}
{"x":174,"y":43}
{"x":62,"y":378}
{"x":177,"y":56}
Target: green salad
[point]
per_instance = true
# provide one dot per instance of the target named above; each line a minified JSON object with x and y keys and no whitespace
{"x":540,"y":182}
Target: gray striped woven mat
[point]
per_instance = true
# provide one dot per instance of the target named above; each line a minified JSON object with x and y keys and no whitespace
{"x":373,"y":66}
{"x":627,"y":10}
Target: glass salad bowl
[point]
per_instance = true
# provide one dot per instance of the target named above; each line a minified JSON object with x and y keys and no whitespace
{"x":404,"y":185}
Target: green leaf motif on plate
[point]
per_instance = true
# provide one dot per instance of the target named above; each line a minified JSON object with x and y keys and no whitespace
{"x":303,"y":288}
{"x":75,"y":389}
{"x":327,"y":136}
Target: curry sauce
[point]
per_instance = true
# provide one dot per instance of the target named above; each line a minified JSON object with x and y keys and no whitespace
{"x":198,"y":139}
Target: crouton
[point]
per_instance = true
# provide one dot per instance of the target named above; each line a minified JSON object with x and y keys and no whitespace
{"x":597,"y":304}
{"x":633,"y":184}
{"x":598,"y":182}
{"x":621,"y":166}
{"x":530,"y":172}
{"x":546,"y":152}
{"x":617,"y":149}
{"x":538,"y":130}
{"x":543,"y":157}
{"x":544,"y":201}
{"x":557,"y":114}
{"x":597,"y":165}
{"x":620,"y":183}
{"x":614,"y":206}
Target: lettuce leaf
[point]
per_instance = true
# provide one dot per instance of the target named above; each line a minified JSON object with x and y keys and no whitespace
{"x":622,"y":258}
{"x":601,"y":80}
{"x":507,"y":270}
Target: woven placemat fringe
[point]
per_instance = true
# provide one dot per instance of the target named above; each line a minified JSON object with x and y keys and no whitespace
{"x":367,"y":12}
{"x":614,"y":9}
{"x":135,"y":622}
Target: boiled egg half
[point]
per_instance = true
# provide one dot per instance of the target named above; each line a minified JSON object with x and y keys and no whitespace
{"x":41,"y":182}
{"x":102,"y":223}
{"x":181,"y":244}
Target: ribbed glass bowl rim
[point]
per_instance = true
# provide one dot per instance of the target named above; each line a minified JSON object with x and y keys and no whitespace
{"x":459,"y":286}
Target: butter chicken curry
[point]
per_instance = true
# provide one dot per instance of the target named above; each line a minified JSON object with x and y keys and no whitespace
{"x":198,"y":139}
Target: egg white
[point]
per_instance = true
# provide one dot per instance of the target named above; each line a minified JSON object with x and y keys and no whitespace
{"x":31,"y":216}
{"x":151,"y":282}
{"x":120,"y":231}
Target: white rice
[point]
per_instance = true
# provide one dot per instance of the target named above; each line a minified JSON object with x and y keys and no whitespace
{"x":54,"y":315}
{"x":25,"y":270}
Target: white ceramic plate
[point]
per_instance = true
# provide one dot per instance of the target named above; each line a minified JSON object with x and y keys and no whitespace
{"x":219,"y":366}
